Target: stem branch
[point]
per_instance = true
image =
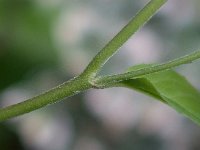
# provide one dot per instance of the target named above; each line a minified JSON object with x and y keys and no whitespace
{"x":112,"y":47}
{"x":109,"y":81}
{"x":88,"y":78}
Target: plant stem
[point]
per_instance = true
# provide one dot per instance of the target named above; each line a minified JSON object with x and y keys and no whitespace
{"x":111,"y":48}
{"x":109,"y":81}
{"x":80,"y":84}
{"x":64,"y":90}
{"x":88,"y":78}
{"x":84,"y":82}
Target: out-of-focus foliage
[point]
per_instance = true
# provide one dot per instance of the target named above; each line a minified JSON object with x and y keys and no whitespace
{"x":43,"y":42}
{"x":9,"y":138}
{"x":25,"y":42}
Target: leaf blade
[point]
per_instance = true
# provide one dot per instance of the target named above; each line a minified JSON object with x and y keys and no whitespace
{"x":169,"y":87}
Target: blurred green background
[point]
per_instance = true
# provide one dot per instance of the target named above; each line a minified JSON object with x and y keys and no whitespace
{"x":46,"y":42}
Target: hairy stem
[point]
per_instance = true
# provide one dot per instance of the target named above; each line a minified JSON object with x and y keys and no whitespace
{"x":66,"y":89}
{"x":109,"y":81}
{"x":80,"y":84}
{"x":112,"y":47}
{"x":88,"y":78}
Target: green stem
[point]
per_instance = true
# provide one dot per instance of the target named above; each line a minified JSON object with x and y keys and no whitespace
{"x":80,"y":84}
{"x":64,"y":90}
{"x":86,"y":79}
{"x":111,"y":48}
{"x":109,"y":81}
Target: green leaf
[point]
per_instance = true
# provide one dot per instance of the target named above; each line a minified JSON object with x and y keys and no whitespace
{"x":170,"y":88}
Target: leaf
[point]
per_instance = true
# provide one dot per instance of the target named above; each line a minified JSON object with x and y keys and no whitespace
{"x":170,"y":88}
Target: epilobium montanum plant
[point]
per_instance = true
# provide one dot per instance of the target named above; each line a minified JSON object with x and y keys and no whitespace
{"x":156,"y":80}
